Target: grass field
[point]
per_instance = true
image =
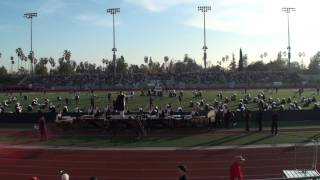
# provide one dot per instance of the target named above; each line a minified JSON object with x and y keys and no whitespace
{"x":101,"y":101}
{"x":219,"y":139}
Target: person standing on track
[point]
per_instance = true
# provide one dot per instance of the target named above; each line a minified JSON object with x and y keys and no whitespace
{"x":274,"y":123}
{"x":260,"y":116}
{"x":43,"y":128}
{"x":247,"y":118}
{"x":121,"y":103}
{"x":236,"y":172}
{"x":182,"y":172}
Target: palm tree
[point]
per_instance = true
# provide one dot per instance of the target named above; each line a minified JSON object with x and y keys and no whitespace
{"x":20,"y":55}
{"x":146,"y":60}
{"x":18,"y":52}
{"x":105,"y":62}
{"x":52,"y":62}
{"x":25,"y":62}
{"x":227,"y":58}
{"x":265,"y":54}
{"x":67,"y":55}
{"x":31,"y":59}
{"x":166,"y":59}
{"x":12,"y":63}
{"x":261,"y":56}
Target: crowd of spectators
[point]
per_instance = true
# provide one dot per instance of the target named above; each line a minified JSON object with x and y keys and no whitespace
{"x":187,"y":80}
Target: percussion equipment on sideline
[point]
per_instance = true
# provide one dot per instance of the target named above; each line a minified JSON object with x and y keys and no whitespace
{"x":212,"y":115}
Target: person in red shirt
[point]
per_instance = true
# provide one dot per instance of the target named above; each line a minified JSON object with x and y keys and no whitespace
{"x":236,"y":172}
{"x":43,"y":128}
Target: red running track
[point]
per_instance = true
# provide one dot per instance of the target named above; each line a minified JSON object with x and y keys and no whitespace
{"x":21,"y":164}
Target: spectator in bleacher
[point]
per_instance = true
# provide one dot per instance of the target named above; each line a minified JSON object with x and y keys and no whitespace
{"x":34,"y":178}
{"x":93,"y":178}
{"x":43,"y":128}
{"x":236,"y":172}
{"x":182,"y":172}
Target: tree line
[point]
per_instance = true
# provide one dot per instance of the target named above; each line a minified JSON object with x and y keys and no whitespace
{"x":65,"y":65}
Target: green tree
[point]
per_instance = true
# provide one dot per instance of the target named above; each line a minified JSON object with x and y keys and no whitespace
{"x":166,"y":59}
{"x":41,"y":67}
{"x":122,"y":66}
{"x":165,"y":64}
{"x":240,"y":68}
{"x":233,"y":64}
{"x":314,"y":66}
{"x":295,"y":67}
{"x":67,"y":55}
{"x":52,"y":62}
{"x":245,"y":61}
{"x":21,"y":56}
{"x":133,"y":68}
{"x":187,"y":65}
{"x":31,"y":59}
{"x":12,"y":63}
{"x":257,"y":66}
{"x":146,"y":60}
{"x":66,"y":65}
{"x":278,"y":65}
{"x":3,"y":71}
{"x":105,"y":63}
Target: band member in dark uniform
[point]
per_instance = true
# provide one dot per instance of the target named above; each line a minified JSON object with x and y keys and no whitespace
{"x":180,"y":99}
{"x":247,"y":117}
{"x":150,"y":102}
{"x":274,"y":123}
{"x":121,"y":103}
{"x":227,"y":118}
{"x":260,"y":116}
{"x":43,"y":128}
{"x":92,"y":101}
{"x":300,"y":92}
{"x":109,"y":96}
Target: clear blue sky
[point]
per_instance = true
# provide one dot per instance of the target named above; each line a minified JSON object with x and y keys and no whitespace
{"x":158,"y":28}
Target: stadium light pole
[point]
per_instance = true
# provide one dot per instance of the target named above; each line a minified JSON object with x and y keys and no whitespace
{"x":204,"y":9}
{"x":31,"y":16}
{"x":287,"y":10}
{"x":114,"y":11}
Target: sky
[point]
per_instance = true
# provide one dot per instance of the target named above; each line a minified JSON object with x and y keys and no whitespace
{"x":159,"y":28}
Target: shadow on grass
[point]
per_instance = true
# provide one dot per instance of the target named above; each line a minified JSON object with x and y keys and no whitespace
{"x":104,"y":141}
{"x":131,"y":141}
{"x":258,"y":140}
{"x":223,"y":140}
